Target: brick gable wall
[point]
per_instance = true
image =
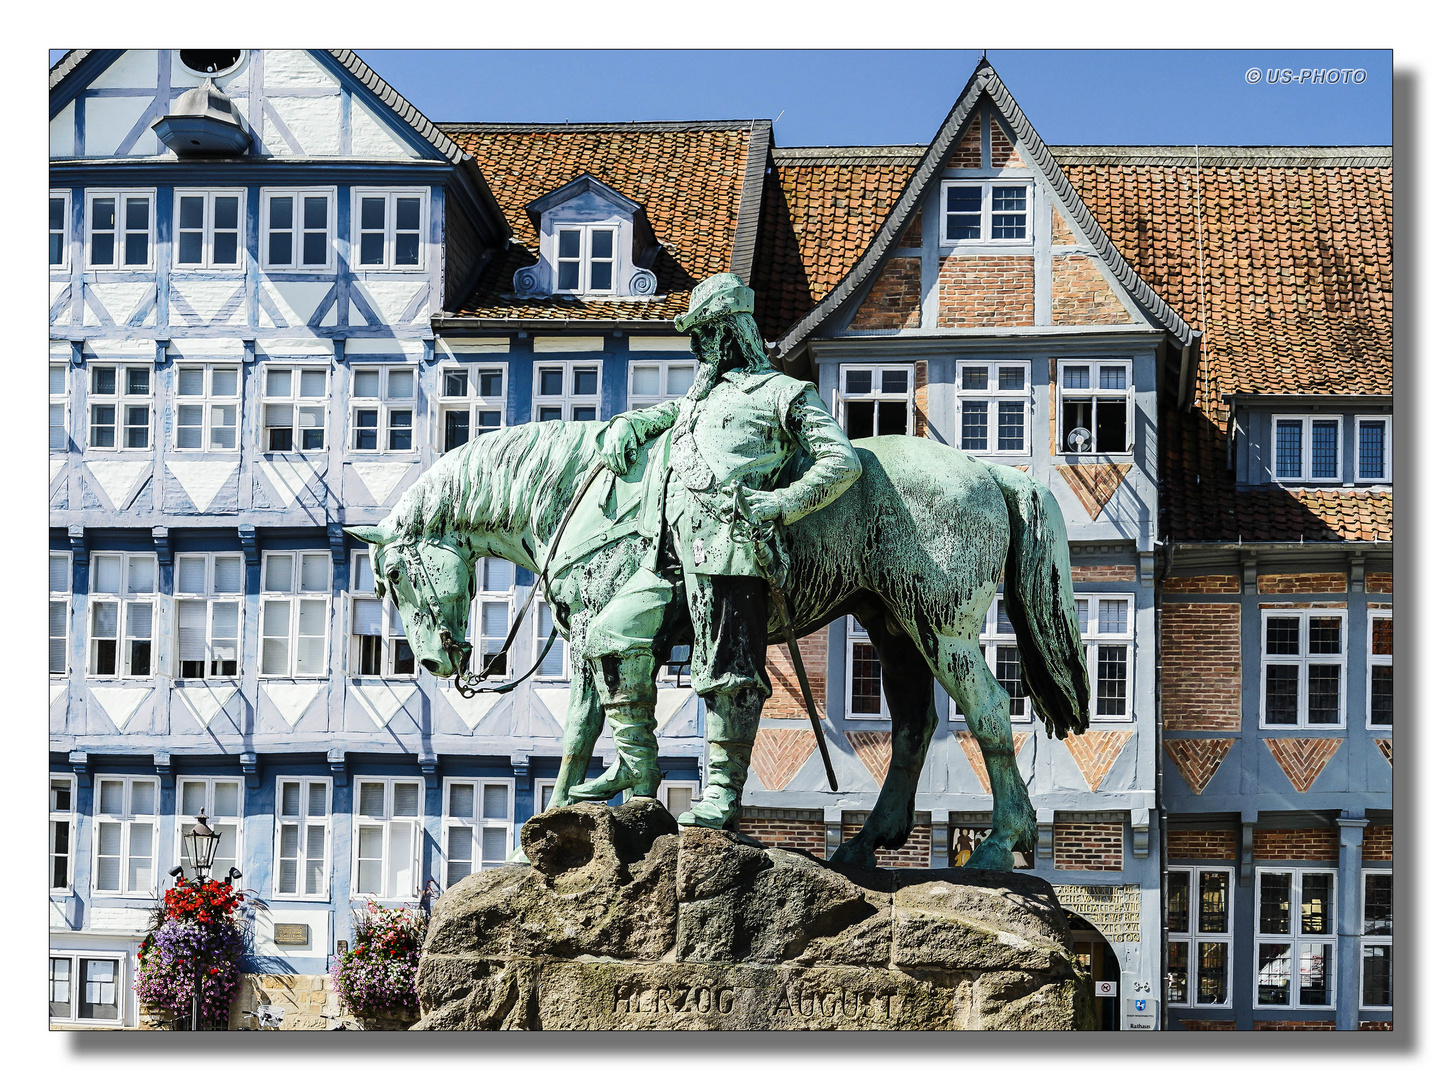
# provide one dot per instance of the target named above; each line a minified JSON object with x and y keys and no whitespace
{"x":1081,"y":295}
{"x":786,"y":702}
{"x":1087,"y":845}
{"x":986,"y":290}
{"x":1201,"y":667}
{"x":894,"y":302}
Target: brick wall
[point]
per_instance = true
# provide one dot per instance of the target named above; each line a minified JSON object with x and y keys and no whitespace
{"x":1220,"y":584}
{"x":1202,"y":667}
{"x":1087,"y":845}
{"x":1294,"y":1025}
{"x":912,"y":236}
{"x":808,"y":835}
{"x":967,"y":154}
{"x":1003,"y":154}
{"x":919,"y":399}
{"x":1377,"y":843}
{"x":1201,"y":844}
{"x":915,"y":854}
{"x":1301,"y":583}
{"x":1209,"y":1025}
{"x":1301,"y":845}
{"x":1081,"y":295}
{"x":894,"y":301}
{"x":1375,"y":1025}
{"x":1103,"y":573}
{"x":1379,"y":583}
{"x":986,"y":290}
{"x":786,"y":702}
{"x":1060,"y":232}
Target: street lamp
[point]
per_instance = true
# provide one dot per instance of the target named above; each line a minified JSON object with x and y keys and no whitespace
{"x":202,"y":841}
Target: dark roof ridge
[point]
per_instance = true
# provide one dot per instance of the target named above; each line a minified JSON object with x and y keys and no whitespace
{"x":612,"y":125}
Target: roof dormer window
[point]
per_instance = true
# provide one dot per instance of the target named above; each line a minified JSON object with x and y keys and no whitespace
{"x":586,"y":258}
{"x":594,"y":242}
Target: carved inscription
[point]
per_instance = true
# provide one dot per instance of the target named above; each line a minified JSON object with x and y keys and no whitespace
{"x":1115,"y":910}
{"x":781,"y":1002}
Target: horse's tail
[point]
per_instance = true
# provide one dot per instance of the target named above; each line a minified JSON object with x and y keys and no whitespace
{"x":1040,"y":604}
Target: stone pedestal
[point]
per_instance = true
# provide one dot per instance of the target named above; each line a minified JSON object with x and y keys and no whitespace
{"x":620,"y":922}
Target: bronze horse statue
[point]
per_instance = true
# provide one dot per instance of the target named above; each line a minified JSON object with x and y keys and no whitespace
{"x":914,"y":549}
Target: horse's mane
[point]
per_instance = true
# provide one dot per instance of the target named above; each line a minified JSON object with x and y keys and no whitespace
{"x":497,"y":481}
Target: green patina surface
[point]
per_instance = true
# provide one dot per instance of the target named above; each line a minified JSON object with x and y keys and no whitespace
{"x":908,"y":535}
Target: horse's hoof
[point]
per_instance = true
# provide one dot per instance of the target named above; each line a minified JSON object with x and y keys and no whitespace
{"x":853,"y":854}
{"x":991,"y":856}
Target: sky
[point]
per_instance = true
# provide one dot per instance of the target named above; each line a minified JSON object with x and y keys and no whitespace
{"x":845,"y":97}
{"x":839,"y":97}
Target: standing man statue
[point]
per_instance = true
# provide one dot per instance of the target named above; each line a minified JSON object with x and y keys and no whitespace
{"x":725,"y":446}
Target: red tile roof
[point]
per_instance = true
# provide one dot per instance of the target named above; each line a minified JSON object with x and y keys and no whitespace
{"x":689,"y":177}
{"x":1296,"y":264}
{"x":1297,"y":268}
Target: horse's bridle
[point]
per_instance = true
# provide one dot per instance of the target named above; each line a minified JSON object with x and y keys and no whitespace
{"x":469,"y":684}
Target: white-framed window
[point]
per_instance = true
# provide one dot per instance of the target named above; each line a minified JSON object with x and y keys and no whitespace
{"x":491,"y":614}
{"x":985,"y":212}
{"x":209,"y":591}
{"x":678,"y":796}
{"x":585,"y":258}
{"x":1374,"y":450}
{"x":1304,"y":670}
{"x":1199,"y":936}
{"x":219,"y":798}
{"x":1107,"y":633}
{"x":119,"y":229}
{"x":472,"y":402}
{"x":864,"y":699}
{"x":120,"y":403}
{"x":59,"y":409}
{"x":62,"y":833}
{"x":298,"y":229}
{"x":383,"y":409}
{"x":568,"y":390}
{"x":1095,"y":414}
{"x":1003,"y":657}
{"x":1307,"y":449}
{"x":88,"y":988}
{"x":59,"y":616}
{"x":1376,"y":939}
{"x":208,"y":227}
{"x":991,"y":407}
{"x":557,"y":664}
{"x":387,"y":838}
{"x":542,"y":792}
{"x":476,"y":826}
{"x":59,"y":230}
{"x":1296,"y":938}
{"x":876,"y":399}
{"x":207,"y":406}
{"x":302,"y":843}
{"x":1379,"y":668}
{"x":294,"y":407}
{"x":389,"y":227}
{"x":378,"y":641}
{"x":122,"y":616}
{"x":125,"y":828}
{"x":654,"y":381}
{"x":294,"y":613}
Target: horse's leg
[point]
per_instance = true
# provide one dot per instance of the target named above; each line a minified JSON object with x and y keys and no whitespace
{"x":962,"y":669}
{"x":906,"y":681}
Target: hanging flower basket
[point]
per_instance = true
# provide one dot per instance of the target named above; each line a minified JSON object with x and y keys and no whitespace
{"x":195,"y":935}
{"x":376,"y":978}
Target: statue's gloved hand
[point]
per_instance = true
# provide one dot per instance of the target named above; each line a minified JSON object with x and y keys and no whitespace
{"x":763,"y":505}
{"x":618,"y":446}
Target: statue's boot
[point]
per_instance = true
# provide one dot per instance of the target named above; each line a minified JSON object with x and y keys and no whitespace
{"x":731,"y":725}
{"x":631,"y":716}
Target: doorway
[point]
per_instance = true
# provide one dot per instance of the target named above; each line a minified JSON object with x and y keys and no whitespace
{"x":1099,"y":962}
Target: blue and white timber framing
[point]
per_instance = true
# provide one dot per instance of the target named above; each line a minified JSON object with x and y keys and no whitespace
{"x":173,"y":498}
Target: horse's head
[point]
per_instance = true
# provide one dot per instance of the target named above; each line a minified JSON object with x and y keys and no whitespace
{"x":431,"y":582}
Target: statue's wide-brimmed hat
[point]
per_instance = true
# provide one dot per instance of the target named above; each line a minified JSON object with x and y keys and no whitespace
{"x":719,"y":294}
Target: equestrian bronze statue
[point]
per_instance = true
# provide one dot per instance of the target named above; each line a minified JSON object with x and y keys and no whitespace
{"x":738,"y":516}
